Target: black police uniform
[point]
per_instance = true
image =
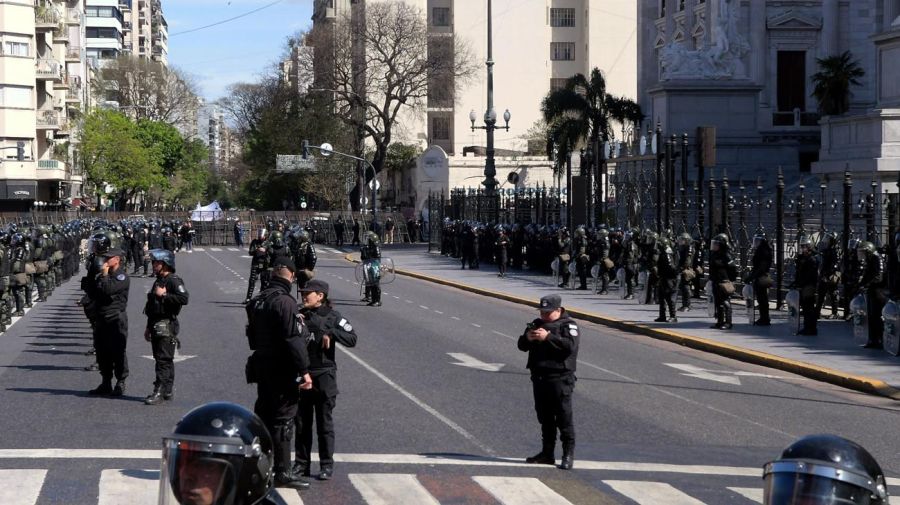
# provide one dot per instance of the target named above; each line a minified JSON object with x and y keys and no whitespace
{"x":829,"y":278}
{"x":372,"y":251}
{"x":501,"y":246}
{"x":762,"y":281}
{"x":258,"y":263}
{"x":721,"y":270}
{"x":806,"y":279}
{"x":319,"y":402}
{"x":581,"y":258}
{"x":552,"y":364}
{"x":874,"y":284}
{"x":564,"y":253}
{"x":162,"y":324}
{"x":667,"y":279}
{"x":279,"y":361}
{"x":112,"y":327}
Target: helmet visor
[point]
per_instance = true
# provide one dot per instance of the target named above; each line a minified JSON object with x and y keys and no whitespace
{"x":193,"y":475}
{"x":806,"y":489}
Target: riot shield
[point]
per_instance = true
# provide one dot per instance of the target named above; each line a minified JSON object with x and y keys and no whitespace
{"x":792,"y":299}
{"x":595,"y":275}
{"x":554,"y":265}
{"x":858,"y":308}
{"x":891,"y":337}
{"x":620,"y":278}
{"x":573,"y":269}
{"x":375,"y":271}
{"x":750,"y":302}
{"x":641,"y":291}
{"x":388,"y":274}
{"x":710,"y":299}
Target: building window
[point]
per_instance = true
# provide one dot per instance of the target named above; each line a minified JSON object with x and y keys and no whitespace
{"x":440,"y":128}
{"x":557,"y":83}
{"x":102,"y":33}
{"x":680,"y":5}
{"x":440,"y":16}
{"x":791,"y":81}
{"x":15,"y":48}
{"x":562,"y":51}
{"x":662,"y":8}
{"x":15,"y":96}
{"x":562,"y":17}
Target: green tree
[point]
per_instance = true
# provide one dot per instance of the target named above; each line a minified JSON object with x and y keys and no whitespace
{"x":163,"y":143}
{"x":833,"y":81}
{"x":114,"y":156}
{"x":189,"y":183}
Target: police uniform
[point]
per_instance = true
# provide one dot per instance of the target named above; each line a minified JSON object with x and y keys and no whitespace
{"x":279,"y":362}
{"x":667,"y":280}
{"x":318,"y":403}
{"x":762,"y":281}
{"x":259,"y":263}
{"x":552,"y":365}
{"x":502,"y":246}
{"x":112,"y":326}
{"x":371,"y":252}
{"x":806,"y":279}
{"x":163,"y":328}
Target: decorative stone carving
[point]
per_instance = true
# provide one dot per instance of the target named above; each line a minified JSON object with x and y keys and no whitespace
{"x":721,"y":60}
{"x":794,"y":18}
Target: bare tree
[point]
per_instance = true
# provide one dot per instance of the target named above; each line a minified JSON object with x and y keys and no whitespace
{"x":402,"y":67}
{"x":147,"y":89}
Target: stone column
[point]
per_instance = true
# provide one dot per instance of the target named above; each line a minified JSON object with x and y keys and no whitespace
{"x":830,"y":15}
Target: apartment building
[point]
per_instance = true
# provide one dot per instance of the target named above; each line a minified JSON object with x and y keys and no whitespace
{"x":537,"y":46}
{"x":43,"y":92}
{"x":145,"y":30}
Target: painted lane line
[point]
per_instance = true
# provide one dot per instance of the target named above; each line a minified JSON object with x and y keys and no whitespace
{"x":455,"y":318}
{"x":423,"y":307}
{"x":470,"y":362}
{"x":520,"y":491}
{"x":290,"y":496}
{"x":21,"y":486}
{"x":408,"y":301}
{"x":233,"y":249}
{"x":749,"y":493}
{"x":215,"y":249}
{"x":424,"y":406}
{"x":651,"y":493}
{"x":475,"y":325}
{"x":396,"y":297}
{"x":391,"y":488}
{"x":438,"y":312}
{"x":135,"y":487}
{"x":502,"y":334}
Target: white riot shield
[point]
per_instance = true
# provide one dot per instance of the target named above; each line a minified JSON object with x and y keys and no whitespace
{"x":891,"y":337}
{"x":641,"y":291}
{"x":573,"y":268}
{"x":792,"y":299}
{"x":620,"y":278}
{"x":375,"y":271}
{"x":388,"y":273}
{"x":710,"y":299}
{"x":858,"y":307}
{"x":595,"y":275}
{"x":750,"y":302}
{"x":554,"y":265}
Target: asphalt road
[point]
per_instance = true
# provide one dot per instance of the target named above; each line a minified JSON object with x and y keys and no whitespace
{"x":656,"y":423}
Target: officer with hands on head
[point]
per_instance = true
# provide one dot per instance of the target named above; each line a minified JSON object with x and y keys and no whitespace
{"x":164,"y":302}
{"x":551,"y":342}
{"x":111,"y":288}
{"x":279,"y":365}
{"x":327,"y":327}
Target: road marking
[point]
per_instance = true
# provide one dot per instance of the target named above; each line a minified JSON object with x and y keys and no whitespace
{"x":408,"y":301}
{"x":21,"y":487}
{"x":397,"y":297}
{"x":424,"y":406}
{"x":215,"y":249}
{"x":651,"y":493}
{"x":391,"y":488}
{"x":135,"y":487}
{"x":749,"y":493}
{"x":199,"y":249}
{"x":470,"y":362}
{"x":501,"y":334}
{"x":475,"y":325}
{"x":178,"y":358}
{"x":438,"y":312}
{"x":455,"y":318}
{"x":424,"y":307}
{"x":290,"y":496}
{"x":233,"y":249}
{"x":700,"y":373}
{"x":520,"y":491}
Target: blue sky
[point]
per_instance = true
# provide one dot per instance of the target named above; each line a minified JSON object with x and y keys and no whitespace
{"x":235,"y":51}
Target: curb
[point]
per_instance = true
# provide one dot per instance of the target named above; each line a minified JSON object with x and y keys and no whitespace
{"x":809,"y":370}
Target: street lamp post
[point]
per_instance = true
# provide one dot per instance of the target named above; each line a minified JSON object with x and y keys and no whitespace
{"x":490,"y":120}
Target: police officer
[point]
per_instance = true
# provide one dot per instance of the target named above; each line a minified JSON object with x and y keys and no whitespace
{"x":606,"y":265}
{"x":629,"y":256}
{"x":551,"y":342}
{"x":686,"y":269}
{"x":667,"y":271}
{"x":648,"y":262}
{"x":852,"y":273}
{"x":218,"y":454}
{"x":873,"y":283}
{"x":721,"y":273}
{"x":259,"y":261}
{"x":327,"y":327}
{"x":806,"y":277}
{"x":829,"y":274}
{"x":164,"y":302}
{"x":139,"y":248}
{"x":564,"y":254}
{"x":111,"y":288}
{"x":279,"y":365}
{"x":824,"y":469}
{"x":581,"y":256}
{"x":339,"y":232}
{"x":304,"y":257}
{"x":371,"y":251}
{"x":501,"y":247}
{"x":761,"y":263}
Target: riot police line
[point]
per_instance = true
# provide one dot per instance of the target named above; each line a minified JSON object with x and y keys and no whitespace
{"x":671,"y":269}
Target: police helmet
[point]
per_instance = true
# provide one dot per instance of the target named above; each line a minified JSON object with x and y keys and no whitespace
{"x":164,"y":256}
{"x":371,"y":237}
{"x":759,"y":239}
{"x":277,"y":239}
{"x":219,"y":453}
{"x":99,"y":243}
{"x":579,"y":232}
{"x":261,"y":233}
{"x":827,"y":241}
{"x":685,"y":239}
{"x":824,"y":469}
{"x":804,"y":243}
{"x":720,"y":241}
{"x":602,"y":234}
{"x":664,"y":243}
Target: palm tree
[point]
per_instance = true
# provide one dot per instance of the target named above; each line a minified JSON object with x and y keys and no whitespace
{"x":832,"y":83}
{"x":584,"y":111}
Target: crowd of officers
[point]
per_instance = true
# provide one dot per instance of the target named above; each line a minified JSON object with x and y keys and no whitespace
{"x":665,"y":268}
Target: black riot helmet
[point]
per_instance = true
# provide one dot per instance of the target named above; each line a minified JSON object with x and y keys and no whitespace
{"x":827,"y":241}
{"x":720,"y":241}
{"x":221,"y":454}
{"x":759,"y":239}
{"x":277,"y":239}
{"x":805,"y":244}
{"x":824,"y":469}
{"x":164,"y":256}
{"x":100,"y":243}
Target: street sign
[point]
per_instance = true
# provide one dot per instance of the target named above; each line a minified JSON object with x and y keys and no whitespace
{"x":290,"y":163}
{"x":376,"y":183}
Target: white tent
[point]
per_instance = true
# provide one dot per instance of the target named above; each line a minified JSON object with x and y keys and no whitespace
{"x":211,"y":212}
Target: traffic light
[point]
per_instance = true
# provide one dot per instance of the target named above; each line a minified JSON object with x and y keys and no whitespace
{"x":20,"y":151}
{"x":305,"y":149}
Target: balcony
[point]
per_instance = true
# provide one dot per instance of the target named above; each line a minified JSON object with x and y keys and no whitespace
{"x":47,"y":70}
{"x":51,"y":170}
{"x":73,"y":93}
{"x":74,"y":16}
{"x":127,"y":47}
{"x":73,"y":53}
{"x":125,"y":5}
{"x":48,"y":119}
{"x":46,"y":18}
{"x":63,"y":81}
{"x":61,"y":34}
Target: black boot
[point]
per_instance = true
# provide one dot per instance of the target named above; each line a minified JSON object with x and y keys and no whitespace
{"x":154,"y":398}
{"x":727,"y":310}
{"x":325,"y":472}
{"x":104,"y":389}
{"x":568,"y":457}
{"x":119,"y":390}
{"x":287,"y":479}
{"x":168,"y":394}
{"x":545,"y":457}
{"x":301,"y":469}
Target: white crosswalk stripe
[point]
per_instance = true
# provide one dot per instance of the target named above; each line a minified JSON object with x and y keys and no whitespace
{"x":200,"y":249}
{"x":21,"y":487}
{"x":391,"y":488}
{"x":749,"y":493}
{"x":651,"y":493}
{"x":135,"y":487}
{"x":233,"y":249}
{"x":520,"y":491}
{"x":215,"y":249}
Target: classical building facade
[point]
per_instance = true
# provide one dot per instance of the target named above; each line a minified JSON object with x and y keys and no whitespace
{"x":746,"y":68}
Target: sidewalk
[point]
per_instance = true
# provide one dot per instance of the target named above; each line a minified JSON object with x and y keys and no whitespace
{"x":832,"y":356}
